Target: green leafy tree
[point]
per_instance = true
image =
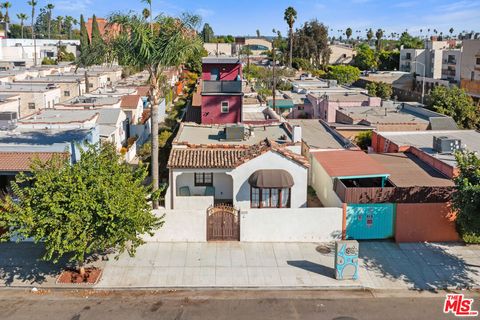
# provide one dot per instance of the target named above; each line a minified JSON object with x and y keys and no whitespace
{"x":409,"y":42}
{"x":311,"y":43}
{"x":194,"y":62}
{"x":456,"y":103}
{"x":466,"y":199}
{"x":97,"y":44}
{"x":343,"y":74}
{"x":84,"y":58}
{"x":372,"y":88}
{"x":388,"y":60}
{"x":207,"y":34}
{"x":384,"y":90}
{"x":290,"y":15}
{"x":172,"y":42}
{"x":76,"y":210}
{"x":365,"y":58}
{"x":364,"y":139}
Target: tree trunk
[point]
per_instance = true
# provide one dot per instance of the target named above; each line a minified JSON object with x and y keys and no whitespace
{"x":87,"y":84}
{"x":49,"y":25}
{"x":154,"y":118}
{"x":291,"y":48}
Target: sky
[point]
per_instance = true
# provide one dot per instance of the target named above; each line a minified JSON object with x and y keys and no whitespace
{"x":244,"y":17}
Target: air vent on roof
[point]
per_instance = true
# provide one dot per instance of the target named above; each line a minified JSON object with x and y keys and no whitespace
{"x":235,"y":132}
{"x":444,"y":144}
{"x":8,"y":120}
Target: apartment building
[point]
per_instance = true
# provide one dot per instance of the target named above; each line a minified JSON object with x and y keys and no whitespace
{"x":470,"y":68}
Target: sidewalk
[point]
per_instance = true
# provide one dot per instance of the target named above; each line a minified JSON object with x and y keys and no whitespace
{"x":383,"y":265}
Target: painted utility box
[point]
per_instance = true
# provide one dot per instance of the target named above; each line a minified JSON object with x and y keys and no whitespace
{"x":346,"y":260}
{"x":370,"y":221}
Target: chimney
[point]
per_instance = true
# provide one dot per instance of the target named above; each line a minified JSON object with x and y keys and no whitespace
{"x":297,"y":134}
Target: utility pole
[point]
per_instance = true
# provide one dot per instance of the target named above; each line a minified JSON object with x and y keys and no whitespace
{"x":273,"y":73}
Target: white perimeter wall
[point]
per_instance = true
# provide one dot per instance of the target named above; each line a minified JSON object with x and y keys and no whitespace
{"x":291,"y":225}
{"x":181,"y":225}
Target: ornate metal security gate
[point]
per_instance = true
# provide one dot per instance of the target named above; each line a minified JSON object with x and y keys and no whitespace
{"x":223,"y":223}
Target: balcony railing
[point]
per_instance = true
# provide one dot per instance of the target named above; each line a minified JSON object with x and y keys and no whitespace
{"x":222,"y":86}
{"x":449,"y":61}
{"x":448,"y":72}
{"x":392,"y":194}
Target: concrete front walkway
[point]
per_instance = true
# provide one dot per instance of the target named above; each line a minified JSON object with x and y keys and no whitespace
{"x":383,"y":265}
{"x":233,"y":264}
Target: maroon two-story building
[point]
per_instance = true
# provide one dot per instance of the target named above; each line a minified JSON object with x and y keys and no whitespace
{"x":222,"y":94}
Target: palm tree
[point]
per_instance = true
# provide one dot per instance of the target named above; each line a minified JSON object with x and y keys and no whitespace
{"x":258,"y":33}
{"x":22,"y":17}
{"x":49,"y":9}
{"x":369,"y":35}
{"x":146,"y":13}
{"x":59,"y":26}
{"x":348,"y":32}
{"x":290,"y":16}
{"x":451,"y":31}
{"x":69,"y":25}
{"x":379,"y":35}
{"x":173,"y":41}
{"x":1,"y":12}
{"x":6,"y":5}
{"x":149,"y":2}
{"x":33,"y":3}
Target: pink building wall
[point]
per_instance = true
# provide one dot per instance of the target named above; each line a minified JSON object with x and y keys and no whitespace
{"x":326,"y":109}
{"x":212,"y":109}
{"x":227,"y":71}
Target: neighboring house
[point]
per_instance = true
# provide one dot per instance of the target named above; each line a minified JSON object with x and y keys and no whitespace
{"x":70,"y":86}
{"x":212,"y":164}
{"x":10,"y":103}
{"x":219,"y":49}
{"x":470,"y":68}
{"x":434,"y":147}
{"x":111,"y":122}
{"x":20,"y":145}
{"x":221,"y":90}
{"x":325,"y":106}
{"x":91,"y":101}
{"x":386,"y":196}
{"x":395,"y":117}
{"x":258,"y":46}
{"x":264,"y":175}
{"x":132,"y":105}
{"x":33,"y":97}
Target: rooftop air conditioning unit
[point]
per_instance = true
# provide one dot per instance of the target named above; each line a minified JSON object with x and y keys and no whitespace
{"x":235,"y":132}
{"x":446,"y":145}
{"x":8,"y":120}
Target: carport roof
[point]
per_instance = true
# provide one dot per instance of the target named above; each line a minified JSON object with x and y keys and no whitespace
{"x":349,"y":164}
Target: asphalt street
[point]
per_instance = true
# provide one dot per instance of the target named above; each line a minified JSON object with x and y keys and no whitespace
{"x":218,"y":304}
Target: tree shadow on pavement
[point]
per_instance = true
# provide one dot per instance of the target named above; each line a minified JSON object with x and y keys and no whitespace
{"x":419,"y":266}
{"x":313,"y":267}
{"x":20,"y":263}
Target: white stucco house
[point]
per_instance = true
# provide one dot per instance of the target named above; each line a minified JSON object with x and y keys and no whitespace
{"x":264,"y":175}
{"x":247,"y":166}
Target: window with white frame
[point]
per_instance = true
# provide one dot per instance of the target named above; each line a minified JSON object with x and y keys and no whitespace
{"x":225,"y":106}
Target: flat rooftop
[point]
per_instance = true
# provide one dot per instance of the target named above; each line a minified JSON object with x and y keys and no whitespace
{"x":35,"y":140}
{"x":382,"y":115}
{"x":66,"y":116}
{"x":423,"y":140}
{"x":215,"y":134}
{"x":349,"y":164}
{"x":317,"y":136}
{"x":92,"y":100}
{"x":406,"y":170}
{"x":57,"y":78}
{"x":25,"y":87}
{"x":220,"y":60}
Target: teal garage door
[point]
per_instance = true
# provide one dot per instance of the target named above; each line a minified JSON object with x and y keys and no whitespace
{"x":370,"y":221}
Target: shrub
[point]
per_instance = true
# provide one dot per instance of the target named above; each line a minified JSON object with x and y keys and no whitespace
{"x":48,"y":61}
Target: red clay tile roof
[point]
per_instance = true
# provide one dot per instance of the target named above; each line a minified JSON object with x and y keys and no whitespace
{"x":130,"y":101}
{"x":348,"y":163}
{"x":20,"y":161}
{"x":226,"y":156}
{"x":143,"y":90}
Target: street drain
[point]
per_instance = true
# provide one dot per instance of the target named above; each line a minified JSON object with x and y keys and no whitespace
{"x":324,"y":249}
